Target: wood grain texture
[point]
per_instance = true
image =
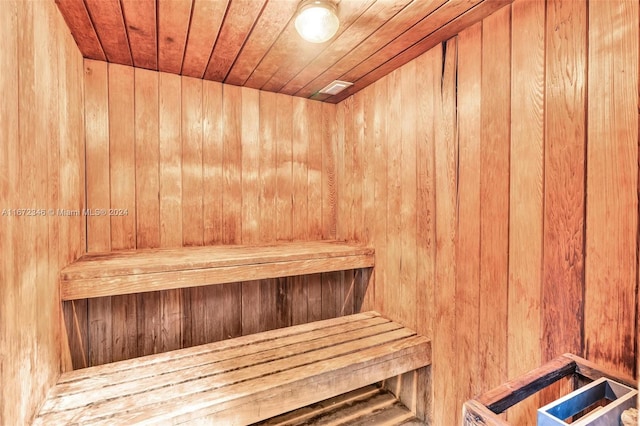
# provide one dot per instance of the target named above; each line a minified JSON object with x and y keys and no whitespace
{"x":248,"y":42}
{"x":109,"y":25}
{"x":173,"y":20}
{"x":121,"y":157}
{"x":469,"y":242}
{"x":206,"y":19}
{"x":97,"y":154}
{"x":170,"y":164}
{"x":612,"y":179}
{"x":336,"y":355}
{"x":192,"y":180}
{"x":354,"y":407}
{"x":212,"y":169}
{"x":41,"y":122}
{"x":176,"y":116}
{"x":427,"y":89}
{"x":494,"y":197}
{"x":79,"y":22}
{"x":136,"y":271}
{"x":232,"y":160}
{"x":526,"y":197}
{"x":140,"y":23}
{"x":272,"y":21}
{"x":446,"y":177}
{"x":147,"y":159}
{"x":233,"y":33}
{"x":414,"y":42}
{"x":565,"y":162}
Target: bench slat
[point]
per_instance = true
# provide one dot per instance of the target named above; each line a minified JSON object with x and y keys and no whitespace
{"x":210,"y":366}
{"x":248,"y":340}
{"x":294,"y":388}
{"x":301,"y":367}
{"x":118,"y":273}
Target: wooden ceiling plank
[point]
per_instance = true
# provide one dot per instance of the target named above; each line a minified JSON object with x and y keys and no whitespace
{"x":272,"y":22}
{"x":368,"y":23}
{"x":436,"y":20}
{"x":408,"y":17}
{"x":77,"y":18}
{"x":448,"y":30}
{"x":291,"y":53}
{"x":238,"y":23}
{"x":140,"y":20}
{"x":173,"y":25}
{"x":108,"y":21}
{"x":206,"y":21}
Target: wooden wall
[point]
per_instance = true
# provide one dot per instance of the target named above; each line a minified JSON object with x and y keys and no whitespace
{"x":192,"y":162}
{"x":497,"y":177}
{"x":41,"y":170}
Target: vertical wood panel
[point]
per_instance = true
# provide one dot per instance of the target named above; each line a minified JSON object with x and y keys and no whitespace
{"x":212,"y":145}
{"x":299,"y":154}
{"x":526,"y":209}
{"x":329,"y":199}
{"x":250,"y":202}
{"x":122,"y":157}
{"x":379,"y":126}
{"x":267,"y":158}
{"x":408,"y":189}
{"x":284,"y":167}
{"x":250,"y":140}
{"x":564,"y":168}
{"x":25,"y":236}
{"x":367,"y":291}
{"x":314,"y":202}
{"x":468,"y":272}
{"x":170,"y":169}
{"x":231,"y":296}
{"x":124,"y":325}
{"x":170,"y":188}
{"x":147,"y":159}
{"x":97,"y":154}
{"x":444,"y":327}
{"x":268,"y":201}
{"x":612,"y":178}
{"x":232,"y":167}
{"x":426,"y":89}
{"x":392,"y":287}
{"x":494,"y":198}
{"x":98,"y":194}
{"x":192,"y":182}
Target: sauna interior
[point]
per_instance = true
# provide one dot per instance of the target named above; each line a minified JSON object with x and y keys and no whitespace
{"x":476,"y":189}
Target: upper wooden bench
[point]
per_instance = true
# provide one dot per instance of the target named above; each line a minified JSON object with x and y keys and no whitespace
{"x":242,"y":380}
{"x":125,"y":272}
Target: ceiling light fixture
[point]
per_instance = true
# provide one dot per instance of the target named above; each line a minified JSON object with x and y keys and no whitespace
{"x":317,"y":20}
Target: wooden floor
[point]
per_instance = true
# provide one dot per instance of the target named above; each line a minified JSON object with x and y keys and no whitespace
{"x":370,"y":405}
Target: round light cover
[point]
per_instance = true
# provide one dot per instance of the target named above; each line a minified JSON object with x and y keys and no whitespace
{"x":317,"y":21}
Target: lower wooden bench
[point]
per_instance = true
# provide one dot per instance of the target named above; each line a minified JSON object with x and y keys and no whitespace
{"x":239,"y":381}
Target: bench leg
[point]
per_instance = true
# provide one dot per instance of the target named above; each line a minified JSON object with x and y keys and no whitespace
{"x":414,"y":390}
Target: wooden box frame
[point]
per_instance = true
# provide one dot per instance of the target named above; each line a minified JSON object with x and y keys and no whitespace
{"x":485,"y":410}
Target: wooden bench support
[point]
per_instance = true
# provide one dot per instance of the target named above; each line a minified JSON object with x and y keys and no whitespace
{"x":127,"y":272}
{"x":486,"y":409}
{"x":242,"y":380}
{"x":370,"y":405}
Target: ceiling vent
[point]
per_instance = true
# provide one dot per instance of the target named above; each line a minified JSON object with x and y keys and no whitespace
{"x":335,"y":87}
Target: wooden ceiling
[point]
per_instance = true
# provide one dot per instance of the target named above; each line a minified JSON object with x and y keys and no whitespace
{"x":254,"y":43}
